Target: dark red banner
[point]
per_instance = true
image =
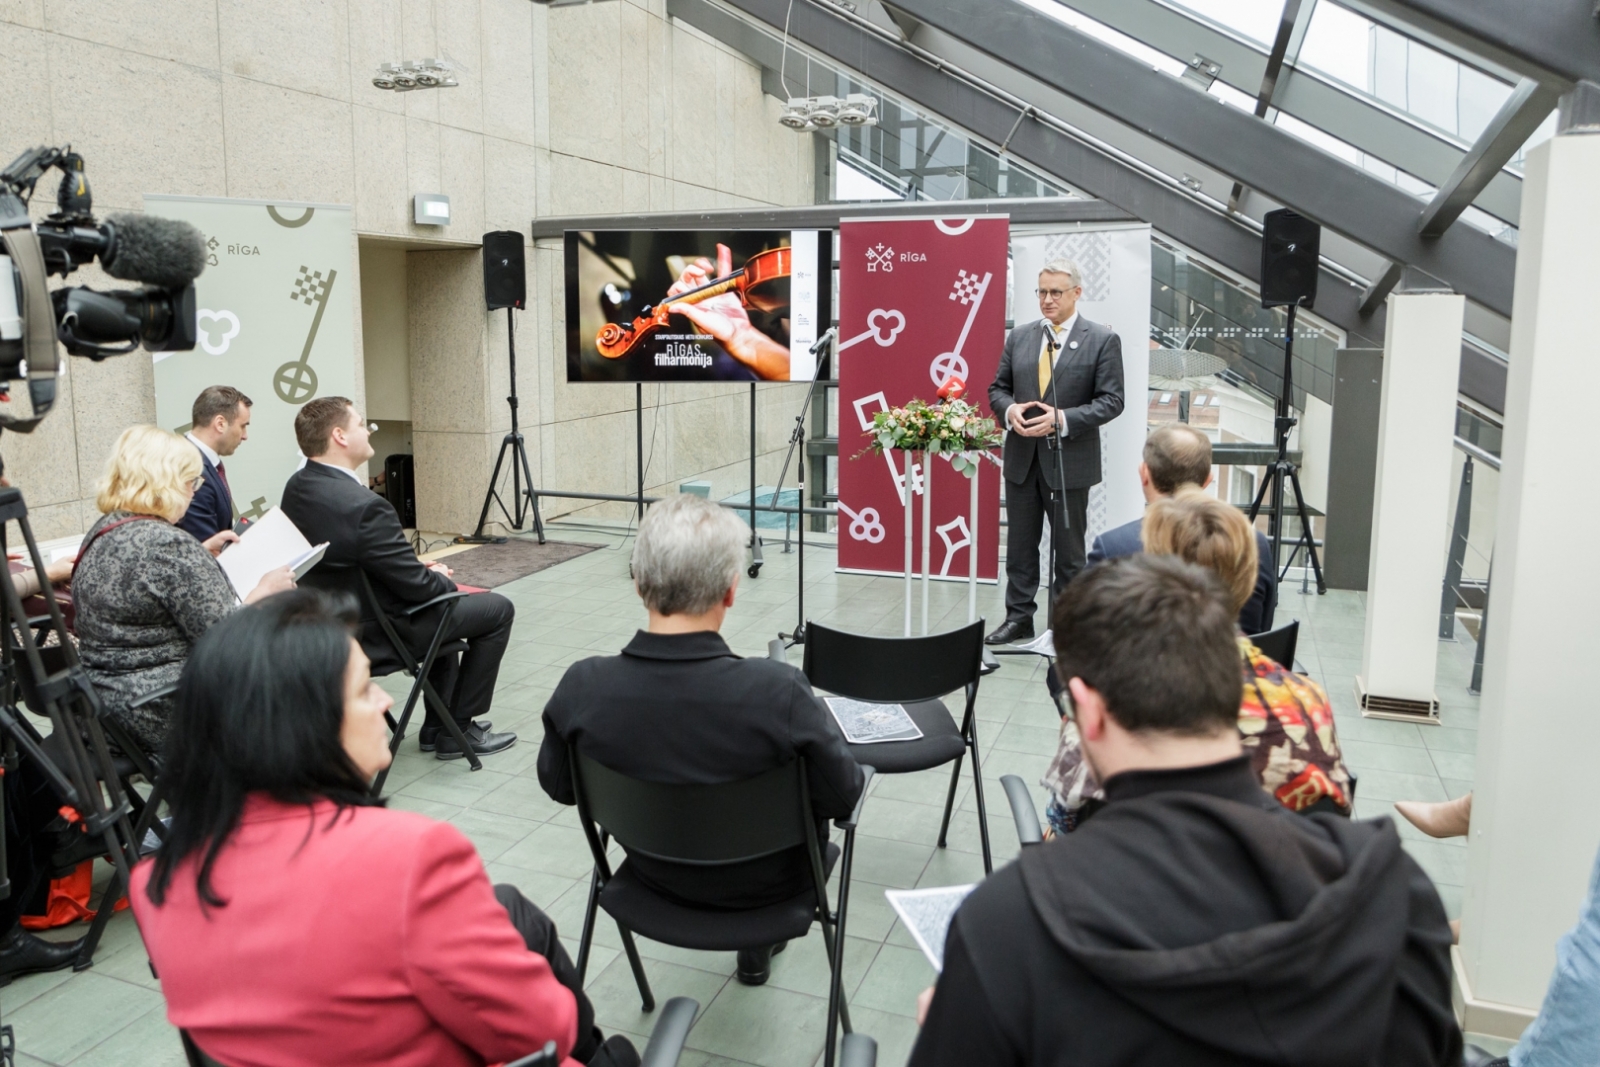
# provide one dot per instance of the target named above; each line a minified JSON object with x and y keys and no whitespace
{"x":920,"y":300}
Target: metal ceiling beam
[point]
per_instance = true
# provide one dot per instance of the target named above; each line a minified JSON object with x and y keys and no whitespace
{"x":1227,"y":241}
{"x":1341,"y":197}
{"x":1506,"y":133}
{"x":1553,"y":41}
{"x":1287,"y":21}
{"x":1397,"y":139}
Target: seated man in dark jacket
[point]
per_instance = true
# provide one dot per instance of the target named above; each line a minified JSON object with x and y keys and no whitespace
{"x":328,"y":500}
{"x":1176,"y":454}
{"x":1194,"y":920}
{"x":678,"y":707}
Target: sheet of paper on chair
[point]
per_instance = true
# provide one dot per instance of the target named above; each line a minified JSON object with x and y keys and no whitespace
{"x":870,"y":724}
{"x":927,"y":914}
{"x":270,"y":542}
{"x":1043,"y":645}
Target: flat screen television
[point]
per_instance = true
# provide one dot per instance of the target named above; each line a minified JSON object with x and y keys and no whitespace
{"x":696,"y":305}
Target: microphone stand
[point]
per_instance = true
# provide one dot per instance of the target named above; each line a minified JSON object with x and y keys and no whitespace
{"x":1058,"y":492}
{"x":824,"y":346}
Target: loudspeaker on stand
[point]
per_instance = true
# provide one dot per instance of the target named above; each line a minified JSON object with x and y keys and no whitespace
{"x":505,"y":281}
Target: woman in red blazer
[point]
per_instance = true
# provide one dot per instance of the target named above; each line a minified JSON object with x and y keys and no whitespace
{"x":294,"y":921}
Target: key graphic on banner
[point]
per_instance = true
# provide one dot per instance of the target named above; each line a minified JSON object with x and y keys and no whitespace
{"x":876,"y":323}
{"x":880,"y":257}
{"x":865,"y":525}
{"x":295,"y":382}
{"x":951,"y":546}
{"x":888,"y":457}
{"x":970,"y":291}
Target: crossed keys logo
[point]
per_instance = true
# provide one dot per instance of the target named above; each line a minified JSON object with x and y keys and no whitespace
{"x":295,"y":381}
{"x":879,"y":256}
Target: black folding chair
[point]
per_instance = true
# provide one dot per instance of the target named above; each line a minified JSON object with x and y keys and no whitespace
{"x":399,"y":657}
{"x":664,"y":1049}
{"x":1279,"y":645}
{"x":711,"y":826}
{"x":915,"y":672}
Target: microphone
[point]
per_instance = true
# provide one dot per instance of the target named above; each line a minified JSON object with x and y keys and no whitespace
{"x":824,"y":340}
{"x":156,"y":251}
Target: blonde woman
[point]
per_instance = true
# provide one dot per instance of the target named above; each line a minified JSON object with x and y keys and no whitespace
{"x":144,"y":589}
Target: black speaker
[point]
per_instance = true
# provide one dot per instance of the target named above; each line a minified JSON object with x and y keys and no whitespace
{"x":505,"y":280}
{"x":399,"y":477}
{"x":1289,"y":255}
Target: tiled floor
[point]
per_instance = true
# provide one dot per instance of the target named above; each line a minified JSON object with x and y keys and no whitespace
{"x":113,"y":1014}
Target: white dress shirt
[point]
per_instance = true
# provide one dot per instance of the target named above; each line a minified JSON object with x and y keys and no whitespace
{"x":1061,"y":333}
{"x":343,"y":470}
{"x":205,"y":449}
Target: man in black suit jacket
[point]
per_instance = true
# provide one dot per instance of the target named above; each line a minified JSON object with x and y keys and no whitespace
{"x":328,"y":501}
{"x":1060,"y":376}
{"x":1177,"y":454}
{"x":221,"y":417}
{"x":678,"y":707}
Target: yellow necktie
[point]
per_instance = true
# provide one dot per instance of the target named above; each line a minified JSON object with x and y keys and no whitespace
{"x":1044,"y":370}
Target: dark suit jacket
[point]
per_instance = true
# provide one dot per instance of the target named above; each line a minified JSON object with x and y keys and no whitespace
{"x":682,"y":709}
{"x":1256,"y":615}
{"x":211,"y":510}
{"x":1088,"y":382}
{"x":362,"y":529}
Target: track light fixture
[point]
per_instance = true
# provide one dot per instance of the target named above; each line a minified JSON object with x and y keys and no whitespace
{"x":409,"y":74}
{"x":804,"y":113}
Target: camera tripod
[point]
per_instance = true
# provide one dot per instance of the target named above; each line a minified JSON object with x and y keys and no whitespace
{"x":1283,"y":474}
{"x":523,"y":499}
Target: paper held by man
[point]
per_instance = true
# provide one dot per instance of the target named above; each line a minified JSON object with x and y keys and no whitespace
{"x":270,"y":542}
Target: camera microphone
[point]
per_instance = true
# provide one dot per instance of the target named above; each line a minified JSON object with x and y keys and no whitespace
{"x":148,"y":248}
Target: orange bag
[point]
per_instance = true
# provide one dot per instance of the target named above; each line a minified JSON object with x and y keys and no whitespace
{"x":68,"y":901}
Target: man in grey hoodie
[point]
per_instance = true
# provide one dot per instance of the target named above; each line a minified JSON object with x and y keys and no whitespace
{"x":1193,"y":921}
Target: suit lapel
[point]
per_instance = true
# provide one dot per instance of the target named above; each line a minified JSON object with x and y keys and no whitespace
{"x":1075,"y":336}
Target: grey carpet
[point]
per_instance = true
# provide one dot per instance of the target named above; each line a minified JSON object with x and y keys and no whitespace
{"x":488,"y":566}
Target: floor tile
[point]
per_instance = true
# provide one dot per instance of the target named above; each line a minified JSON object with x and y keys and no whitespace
{"x":74,"y":1017}
{"x":763,"y":1025}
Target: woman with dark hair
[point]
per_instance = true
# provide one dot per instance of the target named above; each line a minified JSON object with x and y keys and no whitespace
{"x":292,"y":918}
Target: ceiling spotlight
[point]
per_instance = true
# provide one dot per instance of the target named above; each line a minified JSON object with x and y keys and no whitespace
{"x":824,"y":112}
{"x":797,"y":114}
{"x":856,"y":110}
{"x":427,"y":74}
{"x":404,"y":80}
{"x":412,"y":74}
{"x":384,"y":79}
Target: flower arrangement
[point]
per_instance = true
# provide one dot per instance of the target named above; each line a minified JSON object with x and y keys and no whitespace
{"x":953,"y":428}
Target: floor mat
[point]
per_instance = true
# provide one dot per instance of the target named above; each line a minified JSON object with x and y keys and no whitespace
{"x":488,"y":566}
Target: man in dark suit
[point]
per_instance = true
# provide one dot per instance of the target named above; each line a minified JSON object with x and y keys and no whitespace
{"x":1061,"y":378}
{"x":329,"y":501}
{"x":1176,"y":454}
{"x":679,"y":708}
{"x":221,"y":416}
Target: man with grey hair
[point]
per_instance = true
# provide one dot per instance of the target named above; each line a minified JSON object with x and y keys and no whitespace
{"x":678,"y":707}
{"x":1059,"y":381}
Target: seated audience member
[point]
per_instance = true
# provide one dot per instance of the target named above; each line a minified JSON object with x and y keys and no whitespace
{"x":678,"y":707}
{"x":1194,"y":920}
{"x":1285,"y":719}
{"x":1176,"y":455}
{"x":328,"y":501}
{"x":143,"y":590}
{"x":221,"y":416}
{"x":292,"y":918}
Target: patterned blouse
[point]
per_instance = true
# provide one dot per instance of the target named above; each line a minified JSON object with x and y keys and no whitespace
{"x":144,"y":592}
{"x":1286,"y":724}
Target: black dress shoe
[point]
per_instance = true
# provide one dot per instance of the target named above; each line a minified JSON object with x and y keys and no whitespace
{"x":755,"y":964}
{"x":21,"y":953}
{"x":428,"y":736}
{"x":1010,"y":631}
{"x":482,"y":741}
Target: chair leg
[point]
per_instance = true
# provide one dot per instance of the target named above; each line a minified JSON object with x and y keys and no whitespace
{"x":950,"y":800}
{"x":588,"y":927}
{"x":838,"y":1010}
{"x":647,"y":999}
{"x":397,"y":734}
{"x":441,"y":709}
{"x":977,"y":791}
{"x":115,"y":891}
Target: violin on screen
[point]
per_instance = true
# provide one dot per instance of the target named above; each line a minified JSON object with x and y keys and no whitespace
{"x":761,"y":284}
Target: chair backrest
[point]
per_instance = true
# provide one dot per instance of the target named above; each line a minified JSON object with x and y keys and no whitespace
{"x":708,"y":825}
{"x":393,"y":655}
{"x":1278,"y":645}
{"x":893,"y":669}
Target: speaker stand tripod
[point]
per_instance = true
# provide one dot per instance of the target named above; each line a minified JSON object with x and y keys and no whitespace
{"x":525,"y":501}
{"x":1283,"y":473}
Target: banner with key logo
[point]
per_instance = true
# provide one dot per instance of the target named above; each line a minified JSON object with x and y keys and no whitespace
{"x":920,"y":301}
{"x":276,"y":320}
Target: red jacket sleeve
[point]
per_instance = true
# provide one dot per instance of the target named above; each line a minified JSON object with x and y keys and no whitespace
{"x":468,"y":965}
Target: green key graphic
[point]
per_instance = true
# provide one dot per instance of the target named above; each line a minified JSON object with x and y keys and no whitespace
{"x":296,"y":382}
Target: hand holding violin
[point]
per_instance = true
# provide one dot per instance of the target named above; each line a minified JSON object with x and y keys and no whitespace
{"x":724,"y":317}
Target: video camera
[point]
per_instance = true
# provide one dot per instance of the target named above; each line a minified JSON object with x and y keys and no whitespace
{"x":165,"y":255}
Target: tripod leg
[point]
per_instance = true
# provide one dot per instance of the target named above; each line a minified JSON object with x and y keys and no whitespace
{"x":494,"y":480}
{"x":1305,"y":525}
{"x":533,"y":497}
